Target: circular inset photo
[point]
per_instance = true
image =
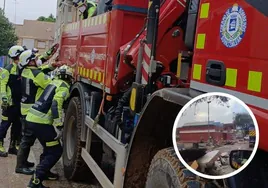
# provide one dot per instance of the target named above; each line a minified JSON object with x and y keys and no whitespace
{"x":215,"y":135}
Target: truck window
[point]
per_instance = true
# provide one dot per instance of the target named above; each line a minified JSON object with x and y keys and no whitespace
{"x":260,"y":5}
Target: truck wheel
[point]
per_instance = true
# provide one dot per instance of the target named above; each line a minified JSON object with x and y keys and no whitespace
{"x":167,"y":172}
{"x":74,"y":166}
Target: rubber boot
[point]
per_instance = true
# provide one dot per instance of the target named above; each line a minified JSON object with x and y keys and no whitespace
{"x":29,"y":164}
{"x":21,"y":168}
{"x":12,"y":147}
{"x":3,"y":152}
{"x":35,"y":183}
{"x":51,"y":176}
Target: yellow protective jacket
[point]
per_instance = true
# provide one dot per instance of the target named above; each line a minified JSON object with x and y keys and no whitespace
{"x":5,"y":89}
{"x":91,"y":8}
{"x":46,"y":68}
{"x":33,"y":83}
{"x":10,"y":84}
{"x":48,"y":109}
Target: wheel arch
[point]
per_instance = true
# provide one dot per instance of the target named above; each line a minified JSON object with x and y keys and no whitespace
{"x":153,"y":132}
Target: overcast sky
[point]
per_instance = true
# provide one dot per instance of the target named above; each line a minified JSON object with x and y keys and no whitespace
{"x":216,"y":112}
{"x":28,"y":9}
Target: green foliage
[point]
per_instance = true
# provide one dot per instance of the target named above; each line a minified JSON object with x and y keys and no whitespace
{"x":50,"y":18}
{"x":8,"y":37}
{"x":221,"y":100}
{"x":242,"y":119}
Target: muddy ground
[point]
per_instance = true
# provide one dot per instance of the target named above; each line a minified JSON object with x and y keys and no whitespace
{"x":9,"y":179}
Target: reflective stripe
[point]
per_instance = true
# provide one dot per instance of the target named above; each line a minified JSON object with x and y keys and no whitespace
{"x":201,"y":38}
{"x":57,"y":122}
{"x":231,"y":77}
{"x":25,"y":108}
{"x":24,"y":105}
{"x":249,"y":99}
{"x":252,"y":133}
{"x":197,"y":71}
{"x":52,"y":143}
{"x":27,"y":89}
{"x":40,"y":114}
{"x":3,"y":95}
{"x":254,"y":81}
{"x":204,"y":10}
{"x":182,"y":3}
{"x":48,"y":93}
{"x":4,"y":118}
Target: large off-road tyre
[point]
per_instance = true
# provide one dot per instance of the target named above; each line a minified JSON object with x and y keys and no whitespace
{"x":166,"y":171}
{"x":74,"y":166}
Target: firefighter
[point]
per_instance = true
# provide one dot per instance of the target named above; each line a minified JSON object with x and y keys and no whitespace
{"x":10,"y":98}
{"x":45,"y":120}
{"x":33,"y":82}
{"x":42,"y":59}
{"x":86,"y":7}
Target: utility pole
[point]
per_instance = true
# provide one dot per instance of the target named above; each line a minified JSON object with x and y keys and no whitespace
{"x":208,"y":121}
{"x":15,"y":11}
{"x":4,"y":8}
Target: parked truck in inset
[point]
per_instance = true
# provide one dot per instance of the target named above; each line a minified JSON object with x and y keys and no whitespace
{"x":252,"y":135}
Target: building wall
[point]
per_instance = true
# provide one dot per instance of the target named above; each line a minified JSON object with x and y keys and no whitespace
{"x":197,"y":137}
{"x":41,"y":45}
{"x":197,"y":133}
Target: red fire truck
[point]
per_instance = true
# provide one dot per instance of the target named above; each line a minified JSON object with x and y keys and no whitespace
{"x":138,"y":64}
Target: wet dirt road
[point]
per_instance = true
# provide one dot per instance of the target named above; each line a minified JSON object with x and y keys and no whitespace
{"x":9,"y":179}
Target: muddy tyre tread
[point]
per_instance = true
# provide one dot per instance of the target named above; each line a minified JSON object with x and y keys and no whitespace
{"x":184,"y":177}
{"x":78,"y":170}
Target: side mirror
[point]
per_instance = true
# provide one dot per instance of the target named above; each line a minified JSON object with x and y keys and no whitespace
{"x":238,"y":158}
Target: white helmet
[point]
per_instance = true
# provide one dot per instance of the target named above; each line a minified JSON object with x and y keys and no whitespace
{"x":15,"y":51}
{"x":64,"y":72}
{"x":26,"y":57}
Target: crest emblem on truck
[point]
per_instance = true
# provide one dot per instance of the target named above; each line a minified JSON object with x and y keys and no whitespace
{"x":233,"y":26}
{"x":92,"y":56}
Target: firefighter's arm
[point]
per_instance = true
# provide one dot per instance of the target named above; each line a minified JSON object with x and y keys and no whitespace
{"x":3,"y":83}
{"x":62,"y":94}
{"x":91,"y":11}
{"x":48,"y":54}
{"x":42,"y":80}
{"x":46,"y":68}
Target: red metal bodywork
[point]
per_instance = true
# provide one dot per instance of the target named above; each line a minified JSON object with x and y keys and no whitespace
{"x":93,"y":45}
{"x":111,"y":38}
{"x":250,"y":55}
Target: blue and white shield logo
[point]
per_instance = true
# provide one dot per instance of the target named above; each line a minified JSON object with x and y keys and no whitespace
{"x":233,"y":26}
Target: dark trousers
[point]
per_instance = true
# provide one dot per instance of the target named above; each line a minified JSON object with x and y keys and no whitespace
{"x":27,"y":141}
{"x":13,"y":117}
{"x":52,"y":149}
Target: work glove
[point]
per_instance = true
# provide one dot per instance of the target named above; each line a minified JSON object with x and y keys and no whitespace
{"x":56,"y":64}
{"x":59,"y":131}
{"x":4,"y":103}
{"x":52,"y":50}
